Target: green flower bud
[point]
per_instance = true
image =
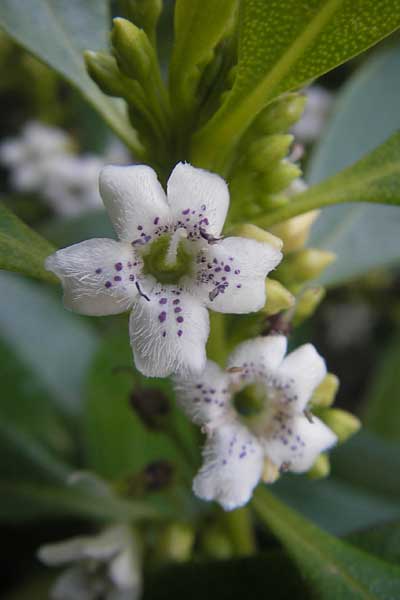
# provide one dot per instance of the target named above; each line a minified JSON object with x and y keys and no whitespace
{"x":256,"y":233}
{"x":267,"y":150}
{"x":103,"y":69}
{"x":280,"y":177}
{"x":343,"y":423}
{"x":325,"y":393}
{"x":132,"y":49}
{"x":307,"y":303}
{"x":281,"y":115}
{"x":294,"y":232}
{"x":270,"y":472}
{"x":304,"y":265}
{"x":145,"y":13}
{"x":278,"y":298}
{"x":321,"y":468}
{"x":176,"y":542}
{"x":215,"y":542}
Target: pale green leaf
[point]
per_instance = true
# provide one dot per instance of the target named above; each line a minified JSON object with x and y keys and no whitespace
{"x":57,"y":32}
{"x":366,"y":113}
{"x":21,"y":248}
{"x":332,"y":568}
{"x":282,"y":45}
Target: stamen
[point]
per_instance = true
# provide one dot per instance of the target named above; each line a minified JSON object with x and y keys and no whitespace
{"x":176,"y":238}
{"x":210,"y":238}
{"x":141,"y":293}
{"x":308,"y":416}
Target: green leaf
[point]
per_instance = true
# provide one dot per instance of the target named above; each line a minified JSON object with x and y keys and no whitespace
{"x":363,"y":237}
{"x":49,"y":341}
{"x":57,"y":32}
{"x":117,"y":443}
{"x":382,"y":540}
{"x":381,"y":413}
{"x":283,"y":44}
{"x":21,"y":248}
{"x":333,"y":569}
{"x":199,"y":26}
{"x":375,"y":178}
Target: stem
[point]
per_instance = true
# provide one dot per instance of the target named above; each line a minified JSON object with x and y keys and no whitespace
{"x":240,"y":531}
{"x":216,"y":345}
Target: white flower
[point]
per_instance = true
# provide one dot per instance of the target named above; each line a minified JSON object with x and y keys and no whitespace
{"x":318,"y":107}
{"x":253,"y":413}
{"x":169,"y":265}
{"x":30,"y":155}
{"x":104,"y":567}
{"x":72,"y":184}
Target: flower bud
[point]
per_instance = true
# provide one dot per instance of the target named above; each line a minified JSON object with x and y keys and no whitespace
{"x":280,"y":177}
{"x":307,"y":303}
{"x":281,"y":114}
{"x":270,"y":472}
{"x":267,"y":150}
{"x":321,"y":468}
{"x":132,"y":49}
{"x":103,"y":69}
{"x":215,"y":542}
{"x":256,"y":233}
{"x":278,"y":298}
{"x":304,"y":265}
{"x":145,"y":13}
{"x":325,"y":393}
{"x":176,"y":542}
{"x":295,"y":232}
{"x":343,"y":423}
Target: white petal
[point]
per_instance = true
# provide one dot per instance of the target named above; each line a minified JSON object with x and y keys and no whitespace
{"x":135,"y":201}
{"x":233,"y":462}
{"x":296,"y":442}
{"x":259,"y":356}
{"x":125,"y":571}
{"x":98,"y":547}
{"x":73,"y":584}
{"x":231,"y":274}
{"x":302,"y":371}
{"x":198,"y":199}
{"x":168,"y":333}
{"x":98,"y":276}
{"x":205,"y":398}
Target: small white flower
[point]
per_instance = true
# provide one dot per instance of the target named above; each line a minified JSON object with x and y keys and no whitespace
{"x":254,"y":412}
{"x":104,"y":567}
{"x":169,"y":265}
{"x":30,"y":155}
{"x":318,"y":107}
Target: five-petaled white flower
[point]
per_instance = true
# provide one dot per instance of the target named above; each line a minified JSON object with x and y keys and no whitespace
{"x":169,"y":265}
{"x":253,"y":413}
{"x":104,"y":567}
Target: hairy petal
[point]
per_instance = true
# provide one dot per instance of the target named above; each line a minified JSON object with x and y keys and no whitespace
{"x":168,"y":332}
{"x":258,"y":357}
{"x":198,"y":199}
{"x":135,"y":201}
{"x":296,"y":442}
{"x":231,"y":274}
{"x":233,"y":462}
{"x":98,"y":276}
{"x":205,"y":398}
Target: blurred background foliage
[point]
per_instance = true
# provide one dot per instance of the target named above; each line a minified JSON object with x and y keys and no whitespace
{"x":68,"y":393}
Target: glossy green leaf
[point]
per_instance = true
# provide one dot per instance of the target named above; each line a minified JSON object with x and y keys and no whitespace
{"x":332,"y":568}
{"x":21,"y":248}
{"x":382,"y":540}
{"x":381,"y":411}
{"x":199,"y":26}
{"x":58,"y":32}
{"x":52,"y":343}
{"x":366,"y":113}
{"x":117,"y":443}
{"x":283,"y":44}
{"x":375,"y":178}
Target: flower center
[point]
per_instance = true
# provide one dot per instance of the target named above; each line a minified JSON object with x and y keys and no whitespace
{"x":167,"y":258}
{"x":256,"y":407}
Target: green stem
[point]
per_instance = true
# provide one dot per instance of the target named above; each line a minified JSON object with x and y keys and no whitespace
{"x":216,"y":345}
{"x":239,"y":528}
{"x":310,"y":200}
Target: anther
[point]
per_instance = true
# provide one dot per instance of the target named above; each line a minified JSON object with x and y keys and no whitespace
{"x":208,"y":237}
{"x":141,"y":293}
